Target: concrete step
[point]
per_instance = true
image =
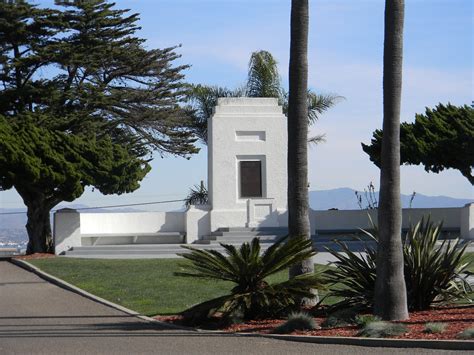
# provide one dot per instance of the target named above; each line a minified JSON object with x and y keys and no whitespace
{"x":238,"y":239}
{"x":259,"y":230}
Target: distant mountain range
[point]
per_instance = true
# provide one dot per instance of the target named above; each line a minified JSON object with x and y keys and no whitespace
{"x":345,"y":199}
{"x":342,"y":199}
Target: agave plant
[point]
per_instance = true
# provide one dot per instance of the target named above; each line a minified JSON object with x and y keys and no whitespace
{"x":433,"y":273}
{"x":248,"y":269}
{"x":355,"y":275}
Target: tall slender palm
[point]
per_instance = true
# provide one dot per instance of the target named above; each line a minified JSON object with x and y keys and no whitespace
{"x":298,"y":209}
{"x":263,"y":80}
{"x":390,"y":301}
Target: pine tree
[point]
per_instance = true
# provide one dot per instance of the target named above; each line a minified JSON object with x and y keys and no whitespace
{"x":442,"y":138}
{"x":83,"y":103}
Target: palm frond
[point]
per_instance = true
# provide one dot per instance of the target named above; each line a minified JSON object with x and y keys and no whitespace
{"x":247,"y":268}
{"x":263,"y":77}
{"x":201,"y":100}
{"x":198,"y":195}
{"x":315,"y":140}
{"x":320,"y":103}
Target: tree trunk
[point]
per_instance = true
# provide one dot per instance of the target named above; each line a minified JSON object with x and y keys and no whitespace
{"x":390,"y":290}
{"x":298,"y":218}
{"x":38,"y":225}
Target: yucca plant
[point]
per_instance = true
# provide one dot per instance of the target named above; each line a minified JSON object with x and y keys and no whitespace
{"x":248,"y":269}
{"x":433,"y":273}
{"x":355,"y":275}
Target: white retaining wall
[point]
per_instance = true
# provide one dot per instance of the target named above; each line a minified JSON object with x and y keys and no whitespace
{"x":133,"y":222}
{"x":354,"y":219}
{"x":69,"y":225}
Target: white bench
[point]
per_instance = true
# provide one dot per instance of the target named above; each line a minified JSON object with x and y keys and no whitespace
{"x":93,"y":239}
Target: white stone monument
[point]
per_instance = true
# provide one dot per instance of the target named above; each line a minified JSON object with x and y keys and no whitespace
{"x":247,"y":149}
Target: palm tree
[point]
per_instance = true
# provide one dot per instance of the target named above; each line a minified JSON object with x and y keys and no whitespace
{"x":263,"y":80}
{"x":298,"y":209}
{"x":390,"y":301}
{"x":198,"y":195}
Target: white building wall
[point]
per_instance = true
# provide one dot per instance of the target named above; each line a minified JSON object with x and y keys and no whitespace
{"x":247,"y":129}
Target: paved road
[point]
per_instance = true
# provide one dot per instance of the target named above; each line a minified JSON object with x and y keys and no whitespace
{"x":37,"y":317}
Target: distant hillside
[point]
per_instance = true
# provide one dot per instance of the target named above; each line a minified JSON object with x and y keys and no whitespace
{"x":345,"y":199}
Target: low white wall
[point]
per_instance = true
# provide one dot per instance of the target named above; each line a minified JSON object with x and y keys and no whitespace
{"x":197,"y":223}
{"x":132,"y":222}
{"x":66,"y":230}
{"x":459,"y":217}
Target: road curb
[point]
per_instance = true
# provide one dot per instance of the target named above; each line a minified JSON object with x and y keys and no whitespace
{"x":369,"y":342}
{"x":376,"y":342}
{"x":67,"y":286}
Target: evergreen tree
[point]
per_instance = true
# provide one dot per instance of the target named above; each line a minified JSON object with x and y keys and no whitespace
{"x":442,"y":138}
{"x":83,"y":103}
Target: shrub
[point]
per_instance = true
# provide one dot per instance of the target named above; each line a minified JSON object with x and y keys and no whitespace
{"x":467,"y":334}
{"x":252,"y":296}
{"x":433,"y":328}
{"x":363,"y":320}
{"x":340,"y":318}
{"x":297,"y":321}
{"x":380,"y":329}
{"x":433,"y":273}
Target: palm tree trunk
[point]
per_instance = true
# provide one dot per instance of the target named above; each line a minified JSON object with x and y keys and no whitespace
{"x":390,"y":290}
{"x":298,"y":218}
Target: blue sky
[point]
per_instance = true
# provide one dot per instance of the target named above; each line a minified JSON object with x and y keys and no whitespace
{"x":345,"y":57}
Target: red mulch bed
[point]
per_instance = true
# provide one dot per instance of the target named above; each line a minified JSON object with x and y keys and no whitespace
{"x":35,"y":256}
{"x":456,"y":318}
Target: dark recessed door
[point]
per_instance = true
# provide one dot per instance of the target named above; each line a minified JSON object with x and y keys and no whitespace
{"x":250,"y":179}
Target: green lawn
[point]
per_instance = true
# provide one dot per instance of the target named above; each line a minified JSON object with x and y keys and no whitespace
{"x":147,"y":286}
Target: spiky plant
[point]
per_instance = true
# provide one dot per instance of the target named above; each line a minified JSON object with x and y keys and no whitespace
{"x":467,"y":334}
{"x":248,"y":269}
{"x":296,"y":321}
{"x":381,"y":329}
{"x":355,"y":275}
{"x":363,"y":319}
{"x":435,"y":327}
{"x":433,"y":273}
{"x":198,"y":195}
